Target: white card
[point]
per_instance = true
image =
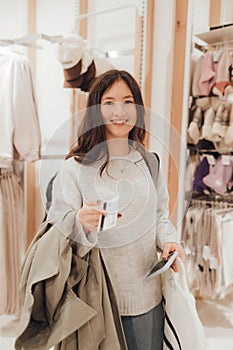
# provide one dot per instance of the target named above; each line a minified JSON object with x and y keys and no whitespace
{"x":110,"y":220}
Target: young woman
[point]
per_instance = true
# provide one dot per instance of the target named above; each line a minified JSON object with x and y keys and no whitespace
{"x":107,"y":165}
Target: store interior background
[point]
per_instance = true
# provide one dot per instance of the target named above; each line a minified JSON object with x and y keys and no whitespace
{"x":156,"y":64}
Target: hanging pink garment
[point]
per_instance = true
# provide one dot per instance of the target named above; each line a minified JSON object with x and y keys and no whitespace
{"x":208,"y":75}
{"x":219,"y":177}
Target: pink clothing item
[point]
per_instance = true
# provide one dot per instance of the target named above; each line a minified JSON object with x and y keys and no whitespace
{"x":219,"y":177}
{"x":208,"y":75}
{"x":196,"y":91}
{"x":222,"y":74}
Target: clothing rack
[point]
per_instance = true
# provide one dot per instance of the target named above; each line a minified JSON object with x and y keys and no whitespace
{"x":56,"y":39}
{"x":206,"y":47}
{"x":213,"y":199}
{"x":216,"y":152}
{"x":206,"y":233}
{"x":26,"y":39}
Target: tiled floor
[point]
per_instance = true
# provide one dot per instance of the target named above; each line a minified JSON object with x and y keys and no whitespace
{"x":216,"y":316}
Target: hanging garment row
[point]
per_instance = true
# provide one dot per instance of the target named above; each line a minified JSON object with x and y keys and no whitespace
{"x":213,"y":74}
{"x":211,"y":118}
{"x":81,"y":62}
{"x":20,"y":140}
{"x":214,"y":175}
{"x":12,"y":240}
{"x":208,"y":236}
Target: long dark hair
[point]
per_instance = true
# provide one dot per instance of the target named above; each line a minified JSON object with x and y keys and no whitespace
{"x":90,"y":144}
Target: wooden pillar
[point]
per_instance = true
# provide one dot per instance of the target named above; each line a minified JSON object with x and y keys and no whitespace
{"x":177,"y":104}
{"x":215,"y":11}
{"x":30,"y":168}
{"x":78,"y":99}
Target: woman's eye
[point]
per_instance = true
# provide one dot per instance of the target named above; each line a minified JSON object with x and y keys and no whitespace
{"x":129,"y":101}
{"x":108,"y":103}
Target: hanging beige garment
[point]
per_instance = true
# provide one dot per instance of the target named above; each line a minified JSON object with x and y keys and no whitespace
{"x":20,"y":135}
{"x":11,"y":241}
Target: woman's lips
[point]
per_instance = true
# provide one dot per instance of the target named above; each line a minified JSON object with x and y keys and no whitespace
{"x":119,"y":122}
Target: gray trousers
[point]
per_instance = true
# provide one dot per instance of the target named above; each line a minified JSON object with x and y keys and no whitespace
{"x":145,"y":332}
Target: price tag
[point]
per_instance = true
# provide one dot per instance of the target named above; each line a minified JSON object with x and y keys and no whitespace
{"x":226,"y":159}
{"x":211,"y":159}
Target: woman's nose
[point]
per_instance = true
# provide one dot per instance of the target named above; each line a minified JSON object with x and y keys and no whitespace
{"x":119,"y":109}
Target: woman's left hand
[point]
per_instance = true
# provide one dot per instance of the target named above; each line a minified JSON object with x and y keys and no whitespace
{"x":171,"y":247}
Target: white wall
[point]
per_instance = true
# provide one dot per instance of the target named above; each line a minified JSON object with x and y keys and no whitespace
{"x":53,"y":18}
{"x":200,"y":15}
{"x":163,"y":40}
{"x":113,"y":30}
{"x":13,"y":18}
{"x":226,"y":15}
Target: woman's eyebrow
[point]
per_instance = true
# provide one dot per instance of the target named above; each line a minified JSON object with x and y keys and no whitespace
{"x":112,"y":98}
{"x":128,"y":96}
{"x":107,"y":98}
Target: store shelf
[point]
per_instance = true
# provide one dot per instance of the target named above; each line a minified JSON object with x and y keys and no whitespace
{"x":216,"y":36}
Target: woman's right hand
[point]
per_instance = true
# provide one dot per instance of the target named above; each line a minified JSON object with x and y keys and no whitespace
{"x":89,"y":215}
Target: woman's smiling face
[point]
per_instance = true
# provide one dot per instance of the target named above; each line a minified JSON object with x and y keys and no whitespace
{"x":118,"y":110}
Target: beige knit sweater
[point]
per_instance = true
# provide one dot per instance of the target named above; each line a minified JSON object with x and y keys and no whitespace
{"x":130,"y":248}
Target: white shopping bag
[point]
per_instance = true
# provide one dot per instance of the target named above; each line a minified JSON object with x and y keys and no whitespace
{"x":183,"y":329}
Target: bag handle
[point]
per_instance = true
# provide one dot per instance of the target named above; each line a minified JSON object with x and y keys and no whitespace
{"x":169,"y":345}
{"x":181,"y":274}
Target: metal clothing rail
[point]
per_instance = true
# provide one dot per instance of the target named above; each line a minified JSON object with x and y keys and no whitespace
{"x":201,"y":151}
{"x":100,"y":12}
{"x":25,"y":40}
{"x":205,"y":47}
{"x":52,"y":156}
{"x":56,"y":39}
{"x":213,"y":199}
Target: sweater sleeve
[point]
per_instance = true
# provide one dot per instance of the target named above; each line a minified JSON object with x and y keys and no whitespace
{"x":66,"y":202}
{"x":26,"y":133}
{"x":165,"y":231}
